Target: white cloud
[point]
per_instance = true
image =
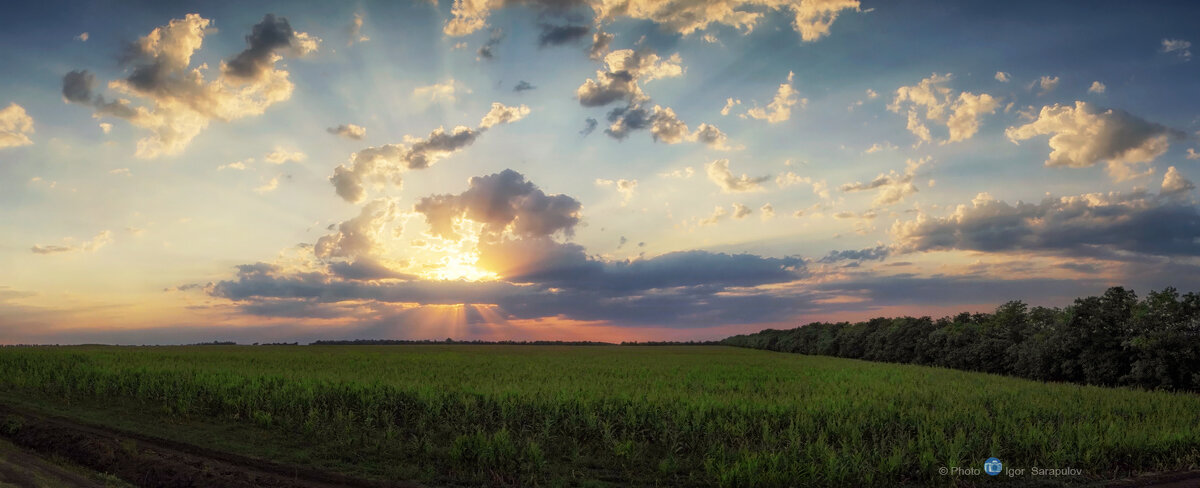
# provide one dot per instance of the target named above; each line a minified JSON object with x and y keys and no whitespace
{"x":281,"y":155}
{"x":892,"y":187}
{"x":83,"y":37}
{"x":780,"y":109}
{"x":1082,"y":136}
{"x":679,"y":173}
{"x":1097,"y":87}
{"x":719,"y":173}
{"x":105,"y":127}
{"x":719,"y":213}
{"x":354,"y":30}
{"x":625,"y":187}
{"x":503,"y":114}
{"x":1192,"y":154}
{"x":886,"y":146}
{"x":1047,"y":84}
{"x":767,"y":211}
{"x":741,"y":211}
{"x":120,"y":172}
{"x":268,"y":186}
{"x":179,"y":102}
{"x":1180,"y":47}
{"x":872,"y":94}
{"x":1002,"y":77}
{"x":238,"y":165}
{"x":1174,"y":182}
{"x":438,"y":92}
{"x":15,"y":127}
{"x":729,"y":104}
{"x":960,"y":114}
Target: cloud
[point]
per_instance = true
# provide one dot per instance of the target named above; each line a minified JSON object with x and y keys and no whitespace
{"x":269,"y":186}
{"x":589,"y":125}
{"x":523,"y":86}
{"x":892,"y":187}
{"x":600,"y":44}
{"x":719,"y":173}
{"x":1002,"y":77}
{"x":719,"y":213}
{"x":15,"y":127}
{"x":178,"y":101}
{"x":349,"y":131}
{"x":1180,"y":47}
{"x":97,"y":242}
{"x":1192,"y":154}
{"x":1090,"y":224}
{"x":664,"y":126}
{"x":83,"y":37}
{"x":557,"y":35}
{"x":1047,"y":84}
{"x":238,"y":165}
{"x":486,"y":51}
{"x":741,"y":211}
{"x":354,"y":31}
{"x":780,"y":109}
{"x":729,"y":104}
{"x":960,"y":114}
{"x":358,"y":237}
{"x":366,"y":269}
{"x":281,"y":155}
{"x":877,"y":253}
{"x":679,"y":173}
{"x":812,"y":19}
{"x":502,"y":202}
{"x":625,"y":187}
{"x":819,"y":188}
{"x":886,"y":146}
{"x":384,"y":165}
{"x":1174,"y":182}
{"x":1097,"y":87}
{"x":502,"y":114}
{"x":437,"y":92}
{"x":619,"y":80}
{"x":1083,"y":135}
{"x":767,"y":211}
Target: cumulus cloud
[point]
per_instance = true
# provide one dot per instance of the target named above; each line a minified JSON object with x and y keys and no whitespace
{"x":15,"y":127}
{"x":600,"y":44}
{"x":720,"y":174}
{"x":1002,"y":77}
{"x":664,"y":126}
{"x":623,"y":70}
{"x":812,"y":19}
{"x":97,"y":242}
{"x":780,"y":109}
{"x":625,"y":187}
{"x":1180,"y":47}
{"x":892,"y":187}
{"x":1083,"y":135}
{"x":767,"y":211}
{"x":358,"y":237}
{"x":349,"y":131}
{"x":1047,"y":84}
{"x":269,"y":186}
{"x":938,"y":103}
{"x":178,"y":102}
{"x":1097,"y":87}
{"x":384,"y":165}
{"x":502,"y":202}
{"x":1090,"y":224}
{"x":1174,"y":182}
{"x":83,"y":37}
{"x":719,"y":213}
{"x":1192,"y":154}
{"x":741,"y":211}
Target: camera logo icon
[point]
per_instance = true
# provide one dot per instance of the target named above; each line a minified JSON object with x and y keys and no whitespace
{"x":992,"y":466}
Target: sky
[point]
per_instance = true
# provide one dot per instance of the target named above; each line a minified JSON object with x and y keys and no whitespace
{"x":609,"y":170}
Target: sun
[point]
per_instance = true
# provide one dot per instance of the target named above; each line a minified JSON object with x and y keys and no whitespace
{"x":460,"y":267}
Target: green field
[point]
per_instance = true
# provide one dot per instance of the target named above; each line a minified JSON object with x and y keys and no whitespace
{"x":608,"y":415}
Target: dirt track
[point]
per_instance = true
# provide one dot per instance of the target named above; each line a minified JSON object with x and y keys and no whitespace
{"x":153,"y":463}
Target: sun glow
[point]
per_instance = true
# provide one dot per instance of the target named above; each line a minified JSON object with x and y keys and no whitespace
{"x":450,"y":259}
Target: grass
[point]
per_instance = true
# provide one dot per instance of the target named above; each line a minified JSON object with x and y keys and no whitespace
{"x":579,"y":416}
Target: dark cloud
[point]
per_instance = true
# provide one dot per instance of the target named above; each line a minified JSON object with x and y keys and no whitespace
{"x":265,"y":38}
{"x":877,"y":253}
{"x":1136,"y":222}
{"x":557,"y":35}
{"x":502,"y":201}
{"x":523,"y":86}
{"x":77,"y":86}
{"x":365,"y":269}
{"x":589,"y":125}
{"x":486,"y":50}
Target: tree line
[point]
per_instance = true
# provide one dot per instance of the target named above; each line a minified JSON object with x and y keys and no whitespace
{"x":1112,"y":340}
